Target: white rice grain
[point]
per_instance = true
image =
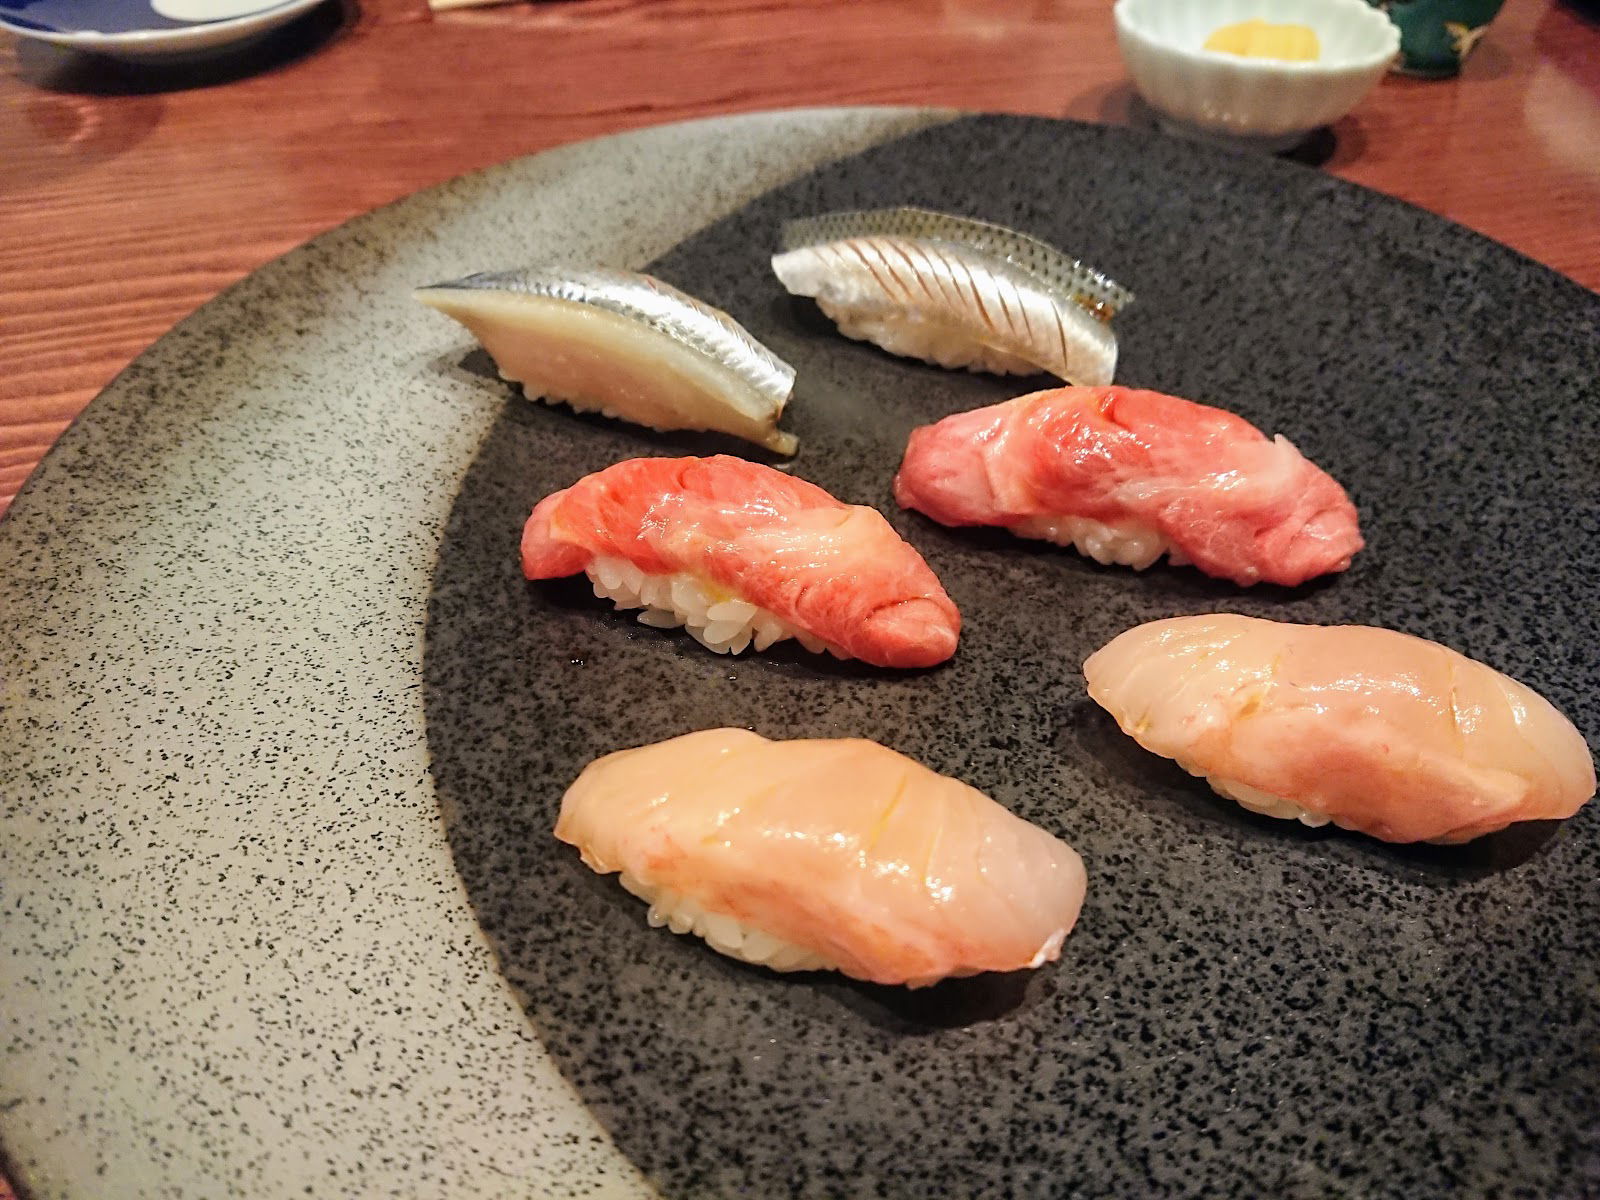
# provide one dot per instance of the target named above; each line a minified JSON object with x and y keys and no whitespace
{"x":1126,"y":543}
{"x":722,"y":933}
{"x":1266,"y":803}
{"x":721,"y":623}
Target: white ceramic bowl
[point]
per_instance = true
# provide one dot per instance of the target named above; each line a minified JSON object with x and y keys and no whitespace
{"x":1256,"y":101}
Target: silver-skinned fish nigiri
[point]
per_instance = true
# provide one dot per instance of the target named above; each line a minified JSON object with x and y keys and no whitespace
{"x":626,"y":345}
{"x":956,"y":292}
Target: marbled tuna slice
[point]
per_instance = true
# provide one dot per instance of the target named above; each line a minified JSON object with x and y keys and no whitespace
{"x":1126,"y":476}
{"x":740,"y":553}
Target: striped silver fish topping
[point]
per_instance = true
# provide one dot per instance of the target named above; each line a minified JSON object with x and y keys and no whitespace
{"x":624,"y":344}
{"x":955,"y":291}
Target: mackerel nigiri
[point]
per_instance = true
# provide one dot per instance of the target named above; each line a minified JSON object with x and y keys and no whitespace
{"x":825,"y":855}
{"x":1373,"y":730}
{"x":956,"y":292}
{"x":1126,"y":476}
{"x":741,"y":554}
{"x":626,"y":345}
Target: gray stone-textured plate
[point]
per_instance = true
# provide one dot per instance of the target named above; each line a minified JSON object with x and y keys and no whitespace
{"x":266,"y":623}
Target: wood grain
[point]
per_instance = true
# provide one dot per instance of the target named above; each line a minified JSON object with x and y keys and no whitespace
{"x":129,"y":196}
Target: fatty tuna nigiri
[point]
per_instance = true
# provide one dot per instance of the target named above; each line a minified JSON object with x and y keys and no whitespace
{"x":825,"y":855}
{"x":1373,"y":730}
{"x":742,"y":554}
{"x":1126,"y":476}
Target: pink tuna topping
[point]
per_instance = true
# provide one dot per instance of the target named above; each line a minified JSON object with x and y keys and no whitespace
{"x":837,"y":571}
{"x":1214,"y":488}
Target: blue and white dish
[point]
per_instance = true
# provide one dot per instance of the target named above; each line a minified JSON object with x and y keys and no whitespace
{"x":147,"y":29}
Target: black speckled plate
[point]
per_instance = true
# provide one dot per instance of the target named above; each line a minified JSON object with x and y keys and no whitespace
{"x":306,"y":503}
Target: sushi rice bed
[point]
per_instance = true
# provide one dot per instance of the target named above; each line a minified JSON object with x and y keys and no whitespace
{"x":719,"y":621}
{"x":727,"y":935}
{"x":1126,"y":543}
{"x":1265,"y":803}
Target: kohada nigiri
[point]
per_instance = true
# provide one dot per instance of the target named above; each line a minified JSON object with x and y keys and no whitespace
{"x":1369,"y":729}
{"x":625,"y":345}
{"x":956,"y":292}
{"x":740,"y":554}
{"x":1126,"y":476}
{"x":825,"y":855}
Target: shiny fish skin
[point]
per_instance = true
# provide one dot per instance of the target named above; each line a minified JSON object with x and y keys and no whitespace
{"x":837,"y":572}
{"x":619,"y":342}
{"x":1038,"y":259}
{"x":863,"y":858}
{"x":1373,"y":730}
{"x":1174,"y":476}
{"x":954,"y":291}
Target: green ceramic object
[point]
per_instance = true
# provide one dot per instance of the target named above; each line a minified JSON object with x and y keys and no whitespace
{"x":1437,"y":35}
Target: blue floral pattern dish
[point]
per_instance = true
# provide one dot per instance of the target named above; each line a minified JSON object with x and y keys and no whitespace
{"x":147,"y":29}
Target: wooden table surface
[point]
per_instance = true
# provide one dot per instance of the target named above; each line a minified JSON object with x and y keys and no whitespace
{"x":128,"y":196}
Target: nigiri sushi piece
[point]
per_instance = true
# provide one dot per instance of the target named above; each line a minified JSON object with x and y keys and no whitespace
{"x":956,"y":292}
{"x":740,"y":554}
{"x":626,"y":345}
{"x":1373,"y":730}
{"x":825,"y":855}
{"x":1126,"y":476}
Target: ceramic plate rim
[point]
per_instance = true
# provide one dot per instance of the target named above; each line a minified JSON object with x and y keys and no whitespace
{"x":44,"y":493}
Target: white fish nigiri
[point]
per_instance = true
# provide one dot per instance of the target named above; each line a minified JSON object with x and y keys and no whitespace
{"x":1372,"y":730}
{"x":825,"y":855}
{"x":626,"y":345}
{"x":956,"y":292}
